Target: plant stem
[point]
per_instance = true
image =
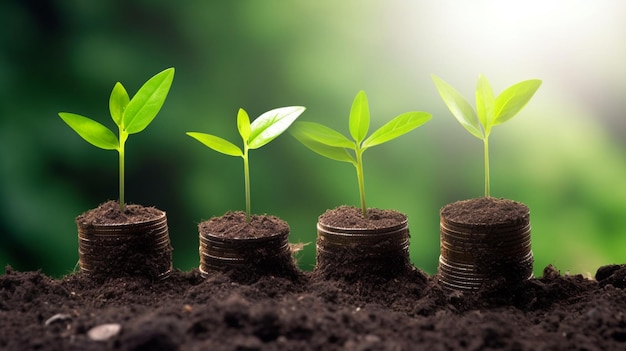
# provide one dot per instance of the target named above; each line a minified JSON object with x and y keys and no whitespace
{"x":359,"y":174}
{"x":246,"y":171}
{"x":486,"y":140}
{"x":123,"y":137}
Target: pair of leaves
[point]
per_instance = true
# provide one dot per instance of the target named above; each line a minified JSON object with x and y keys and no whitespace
{"x":130,"y":115}
{"x":490,"y":111}
{"x":334,"y":145}
{"x":264,"y":129}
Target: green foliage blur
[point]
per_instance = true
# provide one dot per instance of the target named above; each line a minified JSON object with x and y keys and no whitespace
{"x":564,"y":155}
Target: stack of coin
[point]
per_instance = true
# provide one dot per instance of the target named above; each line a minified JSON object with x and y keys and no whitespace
{"x":218,"y":253}
{"x":472,"y":254}
{"x":126,"y":249}
{"x":365,"y":250}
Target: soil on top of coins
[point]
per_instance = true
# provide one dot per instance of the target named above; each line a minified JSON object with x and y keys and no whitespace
{"x":187,"y":312}
{"x":110,"y":213}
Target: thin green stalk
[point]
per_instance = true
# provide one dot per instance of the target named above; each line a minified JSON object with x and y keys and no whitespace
{"x":359,"y":174}
{"x":123,"y":137}
{"x":246,"y":171}
{"x":486,"y":140}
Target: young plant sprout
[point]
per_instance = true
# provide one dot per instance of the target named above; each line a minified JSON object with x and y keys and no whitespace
{"x":334,"y":145}
{"x":490,"y":110}
{"x":130,"y":115}
{"x":263,"y":130}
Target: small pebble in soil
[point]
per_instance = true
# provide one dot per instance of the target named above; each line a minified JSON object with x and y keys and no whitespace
{"x":103,"y":332}
{"x":59,"y":317}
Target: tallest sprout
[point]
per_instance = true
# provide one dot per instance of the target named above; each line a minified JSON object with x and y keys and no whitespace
{"x":130,"y":115}
{"x":490,"y":111}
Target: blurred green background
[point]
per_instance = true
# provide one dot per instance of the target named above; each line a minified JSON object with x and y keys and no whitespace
{"x":564,"y":155}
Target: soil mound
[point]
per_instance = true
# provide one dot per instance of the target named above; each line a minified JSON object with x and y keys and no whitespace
{"x":187,"y":312}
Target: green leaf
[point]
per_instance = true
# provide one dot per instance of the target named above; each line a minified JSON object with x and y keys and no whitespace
{"x":243,"y":124}
{"x":145,"y":105}
{"x":117,"y":103}
{"x":271,"y":124}
{"x":333,"y":152}
{"x":359,"y":117}
{"x":218,"y":144}
{"x":460,"y":108}
{"x":398,"y":126}
{"x":484,"y":103}
{"x":90,"y":130}
{"x":513,"y":99}
{"x":321,"y":134}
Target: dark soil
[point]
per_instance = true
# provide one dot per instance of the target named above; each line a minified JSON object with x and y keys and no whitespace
{"x":186,"y":312}
{"x":352,"y":217}
{"x":235,"y":225}
{"x":110,"y":213}
{"x":402,"y":310}
{"x":485,"y":210}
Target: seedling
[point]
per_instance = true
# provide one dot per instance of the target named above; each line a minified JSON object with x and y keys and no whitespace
{"x":263,"y":130}
{"x":130,"y":115}
{"x":334,"y":145}
{"x":491,"y":110}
